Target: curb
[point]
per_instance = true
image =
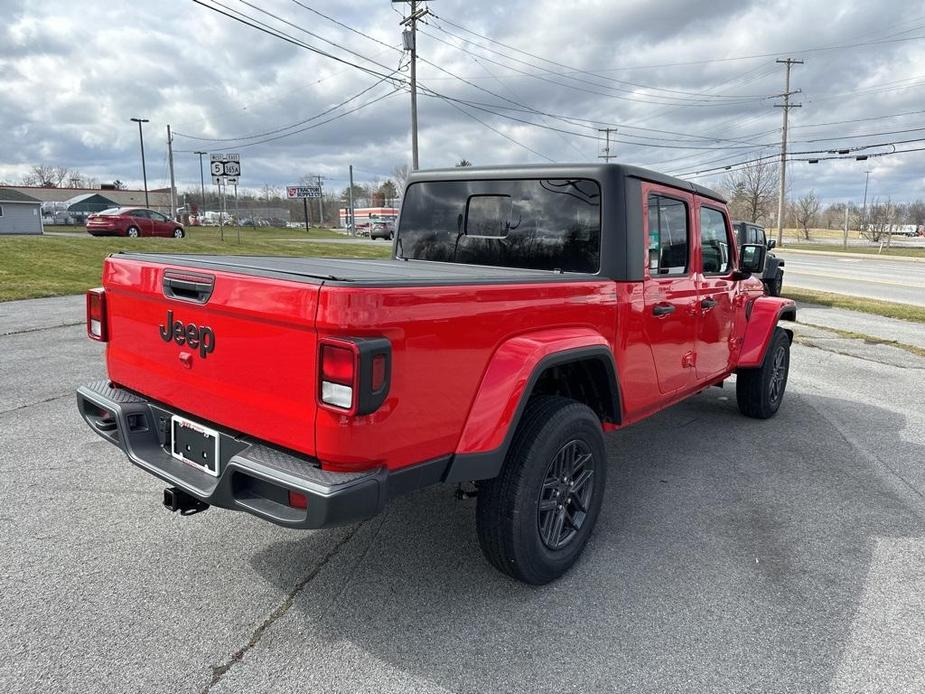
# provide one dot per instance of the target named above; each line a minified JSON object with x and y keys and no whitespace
{"x":840,"y":254}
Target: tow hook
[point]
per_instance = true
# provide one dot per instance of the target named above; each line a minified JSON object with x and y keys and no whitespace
{"x":178,"y":500}
{"x":463,"y":493}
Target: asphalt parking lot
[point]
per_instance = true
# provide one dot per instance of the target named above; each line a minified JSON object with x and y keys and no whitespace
{"x":732,"y":555}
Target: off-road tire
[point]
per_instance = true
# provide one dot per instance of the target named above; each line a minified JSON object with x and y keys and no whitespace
{"x":759,"y":391}
{"x":508,"y":511}
{"x":133,"y":232}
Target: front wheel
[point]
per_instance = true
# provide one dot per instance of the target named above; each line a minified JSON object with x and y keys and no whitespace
{"x":178,"y":233}
{"x":534,"y":519}
{"x":759,"y":392}
{"x":133,"y":232}
{"x":776,"y":286}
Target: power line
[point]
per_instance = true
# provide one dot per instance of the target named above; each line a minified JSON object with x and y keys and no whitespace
{"x":430,"y":92}
{"x":272,"y":31}
{"x":675,"y":100}
{"x":282,"y":128}
{"x":504,"y":135}
{"x":574,"y":69}
{"x":316,"y":125}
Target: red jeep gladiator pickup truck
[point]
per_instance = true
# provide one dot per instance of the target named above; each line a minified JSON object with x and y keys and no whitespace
{"x":524,"y":312}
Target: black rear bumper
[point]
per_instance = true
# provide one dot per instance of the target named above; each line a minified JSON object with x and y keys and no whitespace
{"x":253,"y":476}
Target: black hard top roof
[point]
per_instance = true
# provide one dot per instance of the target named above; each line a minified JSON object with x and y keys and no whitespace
{"x":592,"y":171}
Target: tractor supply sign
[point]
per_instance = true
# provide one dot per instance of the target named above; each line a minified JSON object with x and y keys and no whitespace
{"x":297,"y":192}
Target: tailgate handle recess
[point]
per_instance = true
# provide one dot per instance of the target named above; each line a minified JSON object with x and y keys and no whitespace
{"x":188,"y":286}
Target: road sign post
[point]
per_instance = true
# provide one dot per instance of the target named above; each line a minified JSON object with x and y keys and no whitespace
{"x":226,"y":168}
{"x":303,"y":193}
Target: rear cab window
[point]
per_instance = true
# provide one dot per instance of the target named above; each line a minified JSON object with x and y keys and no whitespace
{"x":541,"y":224}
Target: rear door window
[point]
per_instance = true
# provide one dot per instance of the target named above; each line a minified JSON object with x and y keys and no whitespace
{"x":669,"y":236}
{"x":714,"y":242}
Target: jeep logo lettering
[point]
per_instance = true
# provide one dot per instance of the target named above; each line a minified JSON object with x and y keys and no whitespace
{"x":193,"y":336}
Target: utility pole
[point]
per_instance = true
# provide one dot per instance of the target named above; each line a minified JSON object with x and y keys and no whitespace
{"x":789,"y":62}
{"x":237,"y":213}
{"x":319,"y":180}
{"x":202,"y":185}
{"x":144,"y":171}
{"x":409,"y":41}
{"x":173,"y":182}
{"x":864,"y":212}
{"x":350,"y":220}
{"x":607,"y":156}
{"x":845,"y":239}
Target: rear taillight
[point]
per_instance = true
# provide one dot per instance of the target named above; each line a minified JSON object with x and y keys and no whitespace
{"x":354,"y":374}
{"x":97,"y":328}
{"x":338,"y":373}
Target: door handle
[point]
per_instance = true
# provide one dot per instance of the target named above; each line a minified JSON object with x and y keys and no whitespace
{"x":663,"y":309}
{"x":708,"y":303}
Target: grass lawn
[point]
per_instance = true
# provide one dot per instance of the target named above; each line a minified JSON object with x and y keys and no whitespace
{"x":853,"y":303}
{"x":35,"y":266}
{"x":895,"y":250}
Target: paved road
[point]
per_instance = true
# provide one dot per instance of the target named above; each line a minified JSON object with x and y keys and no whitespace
{"x":884,"y":279}
{"x":733,"y":555}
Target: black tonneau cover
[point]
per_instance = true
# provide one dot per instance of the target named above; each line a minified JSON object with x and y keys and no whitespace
{"x":365,"y":272}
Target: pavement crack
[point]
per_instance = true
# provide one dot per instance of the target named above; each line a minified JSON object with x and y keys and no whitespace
{"x":47,"y":327}
{"x":219,"y":671}
{"x":808,"y":342}
{"x":37,"y":402}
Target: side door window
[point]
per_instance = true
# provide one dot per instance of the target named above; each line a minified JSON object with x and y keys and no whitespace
{"x":669,"y":237}
{"x":715,"y":248}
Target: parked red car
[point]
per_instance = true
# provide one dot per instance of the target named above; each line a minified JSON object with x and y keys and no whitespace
{"x":134,"y":222}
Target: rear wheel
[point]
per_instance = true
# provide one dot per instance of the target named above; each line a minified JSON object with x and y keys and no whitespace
{"x":759,"y":392}
{"x":178,"y":233}
{"x":133,"y":232}
{"x":534,"y":519}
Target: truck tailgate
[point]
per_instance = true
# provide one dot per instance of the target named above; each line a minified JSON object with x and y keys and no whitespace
{"x":242,"y":355}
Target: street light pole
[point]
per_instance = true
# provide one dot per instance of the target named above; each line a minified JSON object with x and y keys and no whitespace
{"x":202,"y":184}
{"x":144,"y":171}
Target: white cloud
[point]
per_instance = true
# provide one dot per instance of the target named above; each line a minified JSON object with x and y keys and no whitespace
{"x":74,"y":73}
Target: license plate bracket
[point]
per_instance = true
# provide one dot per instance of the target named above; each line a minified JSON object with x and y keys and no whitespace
{"x":194,"y":444}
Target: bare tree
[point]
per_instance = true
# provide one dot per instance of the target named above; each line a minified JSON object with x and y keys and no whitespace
{"x":400,"y":173}
{"x":806,"y":210}
{"x":462,"y":163}
{"x":61,"y":174}
{"x":40,"y":175}
{"x":752,"y":191}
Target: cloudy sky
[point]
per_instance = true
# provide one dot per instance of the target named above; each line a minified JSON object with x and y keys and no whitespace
{"x":689,"y":85}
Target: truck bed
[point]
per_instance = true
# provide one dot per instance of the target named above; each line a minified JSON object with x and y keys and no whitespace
{"x":360,"y":272}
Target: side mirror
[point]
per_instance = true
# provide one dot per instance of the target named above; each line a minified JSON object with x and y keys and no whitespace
{"x":772,"y":244}
{"x":751,"y":259}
